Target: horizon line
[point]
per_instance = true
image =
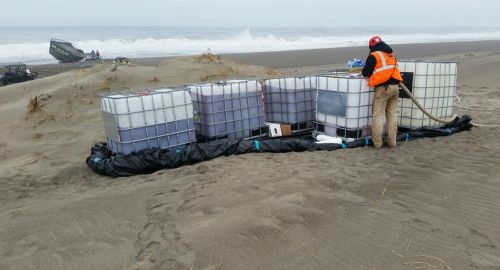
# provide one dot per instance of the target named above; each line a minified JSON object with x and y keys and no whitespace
{"x":258,"y":26}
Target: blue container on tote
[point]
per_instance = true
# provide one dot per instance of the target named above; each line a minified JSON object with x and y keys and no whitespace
{"x":355,"y":63}
{"x":153,"y":118}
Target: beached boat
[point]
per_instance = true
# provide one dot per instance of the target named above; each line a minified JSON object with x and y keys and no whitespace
{"x":65,"y":52}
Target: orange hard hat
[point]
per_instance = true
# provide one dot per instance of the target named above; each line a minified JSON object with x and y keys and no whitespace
{"x":374,"y":41}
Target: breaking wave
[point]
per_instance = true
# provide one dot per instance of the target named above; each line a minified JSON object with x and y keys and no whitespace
{"x":246,"y":41}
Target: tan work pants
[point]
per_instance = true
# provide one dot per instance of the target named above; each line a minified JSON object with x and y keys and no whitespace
{"x":385,"y":105}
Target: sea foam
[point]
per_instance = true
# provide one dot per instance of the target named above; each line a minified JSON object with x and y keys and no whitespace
{"x":246,"y":41}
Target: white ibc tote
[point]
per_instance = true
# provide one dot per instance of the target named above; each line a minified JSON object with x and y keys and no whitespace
{"x":344,"y":106}
{"x":434,"y":85}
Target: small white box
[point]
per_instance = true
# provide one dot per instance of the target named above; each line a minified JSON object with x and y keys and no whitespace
{"x":274,"y":130}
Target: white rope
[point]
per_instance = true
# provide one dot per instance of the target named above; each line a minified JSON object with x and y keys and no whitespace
{"x":475,"y":109}
{"x":470,"y":108}
{"x":481,"y":125}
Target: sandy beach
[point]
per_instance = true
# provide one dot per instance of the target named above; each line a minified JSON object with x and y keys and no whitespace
{"x":427,"y":204}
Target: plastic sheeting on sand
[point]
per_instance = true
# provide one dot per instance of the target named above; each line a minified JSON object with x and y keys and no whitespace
{"x":103,"y":161}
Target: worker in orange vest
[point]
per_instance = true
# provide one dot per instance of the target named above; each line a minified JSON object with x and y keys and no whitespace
{"x":382,"y":72}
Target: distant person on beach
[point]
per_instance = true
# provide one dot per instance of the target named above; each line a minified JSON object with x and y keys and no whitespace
{"x":382,"y":72}
{"x":92,"y":54}
{"x":98,"y":55}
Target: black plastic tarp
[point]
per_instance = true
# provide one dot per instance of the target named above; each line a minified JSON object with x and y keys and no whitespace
{"x":103,"y":161}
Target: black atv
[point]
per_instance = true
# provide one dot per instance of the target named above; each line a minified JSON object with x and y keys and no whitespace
{"x":16,"y":73}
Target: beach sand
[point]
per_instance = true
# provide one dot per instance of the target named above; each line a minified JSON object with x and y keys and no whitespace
{"x":427,"y":204}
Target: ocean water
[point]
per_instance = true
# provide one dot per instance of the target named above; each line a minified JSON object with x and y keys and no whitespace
{"x":31,"y":44}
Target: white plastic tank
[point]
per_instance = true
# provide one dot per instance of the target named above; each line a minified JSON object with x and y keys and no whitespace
{"x":344,"y":106}
{"x":152,"y":118}
{"x":148,"y":107}
{"x":434,"y":85}
{"x":228,"y":109}
{"x":291,"y":100}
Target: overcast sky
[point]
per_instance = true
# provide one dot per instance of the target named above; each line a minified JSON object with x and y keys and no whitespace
{"x":248,"y":13}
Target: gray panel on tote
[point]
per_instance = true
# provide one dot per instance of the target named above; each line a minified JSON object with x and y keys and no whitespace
{"x":332,"y":102}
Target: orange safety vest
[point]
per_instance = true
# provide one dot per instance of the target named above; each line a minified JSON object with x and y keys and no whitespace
{"x":385,"y":69}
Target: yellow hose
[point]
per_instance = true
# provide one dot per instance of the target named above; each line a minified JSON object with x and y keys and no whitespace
{"x":444,"y":121}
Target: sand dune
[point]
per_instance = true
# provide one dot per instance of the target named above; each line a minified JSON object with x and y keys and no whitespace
{"x":45,"y":147}
{"x":429,"y":203}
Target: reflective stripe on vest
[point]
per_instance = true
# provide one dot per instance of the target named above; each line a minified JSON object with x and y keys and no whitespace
{"x":382,"y":57}
{"x":385,"y":69}
{"x":384,"y":63}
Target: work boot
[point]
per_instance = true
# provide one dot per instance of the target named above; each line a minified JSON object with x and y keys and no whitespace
{"x":390,"y":144}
